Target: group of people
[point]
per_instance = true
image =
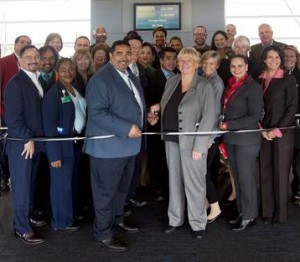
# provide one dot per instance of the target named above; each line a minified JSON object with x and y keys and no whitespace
{"x":112,"y":94}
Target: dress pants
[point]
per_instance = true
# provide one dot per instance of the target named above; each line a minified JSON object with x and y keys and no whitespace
{"x":110,"y":179}
{"x":243,"y":162}
{"x":275,"y":165}
{"x":61,"y":194}
{"x":23,"y":174}
{"x":157,"y":166}
{"x":213,"y":165}
{"x":135,"y":177}
{"x":186,"y":181}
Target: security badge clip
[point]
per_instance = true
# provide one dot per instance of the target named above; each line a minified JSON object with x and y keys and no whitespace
{"x":65,"y":98}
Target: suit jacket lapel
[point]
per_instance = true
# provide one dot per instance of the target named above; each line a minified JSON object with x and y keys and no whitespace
{"x":30,"y":83}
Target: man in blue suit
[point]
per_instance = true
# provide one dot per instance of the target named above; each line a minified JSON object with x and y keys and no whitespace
{"x":115,"y":107}
{"x":23,"y":116}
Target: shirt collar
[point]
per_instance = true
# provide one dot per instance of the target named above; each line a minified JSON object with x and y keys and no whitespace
{"x":166,"y":73}
{"x":31,"y":74}
{"x":279,"y":74}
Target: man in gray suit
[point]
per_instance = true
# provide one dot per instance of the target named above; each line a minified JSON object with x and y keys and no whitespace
{"x":115,"y":107}
{"x":266,"y":37}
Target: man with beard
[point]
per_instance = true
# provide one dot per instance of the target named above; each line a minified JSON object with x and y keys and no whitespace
{"x":200,"y":35}
{"x":23,"y":116}
{"x":115,"y":107}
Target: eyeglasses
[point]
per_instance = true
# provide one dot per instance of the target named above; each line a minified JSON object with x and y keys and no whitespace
{"x":200,"y":34}
{"x":100,"y":34}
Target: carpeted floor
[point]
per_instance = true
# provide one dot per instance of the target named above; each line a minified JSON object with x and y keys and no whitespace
{"x":258,"y":243}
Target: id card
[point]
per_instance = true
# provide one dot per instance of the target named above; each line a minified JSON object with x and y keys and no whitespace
{"x":66,"y":99}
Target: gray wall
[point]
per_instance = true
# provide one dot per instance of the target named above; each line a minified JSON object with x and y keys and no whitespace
{"x":117,"y":17}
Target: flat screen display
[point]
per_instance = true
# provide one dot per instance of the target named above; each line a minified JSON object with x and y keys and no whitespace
{"x":149,"y":16}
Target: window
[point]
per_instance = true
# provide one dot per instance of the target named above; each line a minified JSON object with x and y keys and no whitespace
{"x":282,"y":15}
{"x":37,"y":19}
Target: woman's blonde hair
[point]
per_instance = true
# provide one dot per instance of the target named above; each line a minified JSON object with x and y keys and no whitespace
{"x":211,"y":54}
{"x":191,"y":51}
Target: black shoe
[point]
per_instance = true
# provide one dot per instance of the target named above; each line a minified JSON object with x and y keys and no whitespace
{"x":126,"y":228}
{"x":244,"y":223}
{"x":136,"y":203}
{"x":229,"y":203}
{"x":30,"y":238}
{"x":75,"y":226}
{"x":38,"y":222}
{"x":267,"y":221}
{"x":159,"y":198}
{"x":127,"y":211}
{"x":234,"y":219}
{"x":113,"y":244}
{"x":170,"y":229}
{"x":199,"y":234}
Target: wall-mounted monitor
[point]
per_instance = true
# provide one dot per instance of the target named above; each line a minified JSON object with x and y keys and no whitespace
{"x":148,"y":16}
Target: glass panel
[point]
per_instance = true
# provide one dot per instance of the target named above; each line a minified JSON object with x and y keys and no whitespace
{"x":247,"y":15}
{"x":37,"y":19}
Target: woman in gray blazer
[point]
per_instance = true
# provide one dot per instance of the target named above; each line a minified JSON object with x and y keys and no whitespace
{"x":187,"y":105}
{"x":210,"y":62}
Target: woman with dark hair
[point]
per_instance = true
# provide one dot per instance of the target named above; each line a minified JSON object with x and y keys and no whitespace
{"x":147,"y":57}
{"x":64,"y":115}
{"x":291,"y":66}
{"x":100,"y":55}
{"x":176,"y":43}
{"x":219,"y":44}
{"x":242,"y":104}
{"x":280,"y":107}
{"x":159,"y":36}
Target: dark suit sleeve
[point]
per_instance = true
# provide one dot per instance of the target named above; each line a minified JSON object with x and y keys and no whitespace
{"x":99,"y":101}
{"x":155,"y":89}
{"x":51,"y":122}
{"x":14,"y":111}
{"x":291,"y":97}
{"x":254,"y":105}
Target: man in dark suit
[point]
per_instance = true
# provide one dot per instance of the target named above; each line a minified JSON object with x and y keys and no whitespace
{"x":135,"y":42}
{"x":9,"y":66}
{"x":266,"y":37}
{"x":115,"y":107}
{"x":157,"y":166}
{"x":48,"y":60}
{"x":23,"y":116}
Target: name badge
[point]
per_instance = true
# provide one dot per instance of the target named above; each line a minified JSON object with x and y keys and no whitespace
{"x":66,"y":99}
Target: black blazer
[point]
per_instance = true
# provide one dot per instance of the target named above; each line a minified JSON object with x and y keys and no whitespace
{"x":23,"y":112}
{"x":280,"y":102}
{"x":58,"y":115}
{"x":257,"y":50}
{"x":46,"y":86}
{"x":156,"y":87}
{"x":243,"y":111}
